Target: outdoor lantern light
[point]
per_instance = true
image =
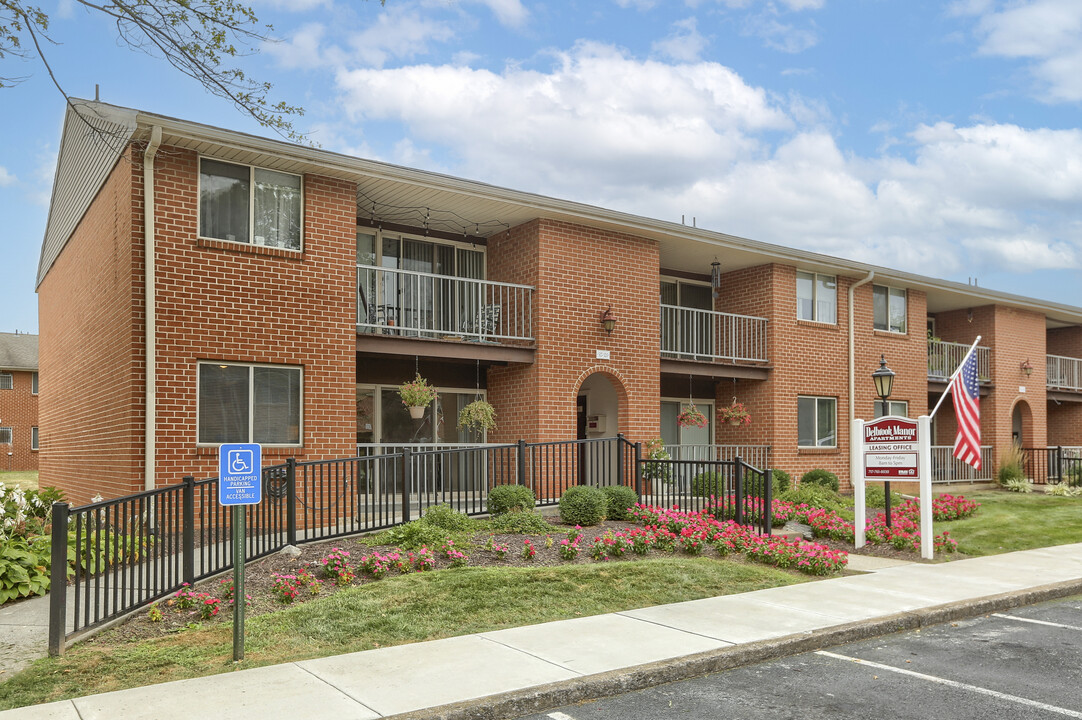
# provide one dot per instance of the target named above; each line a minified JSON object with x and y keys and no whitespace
{"x":608,"y":320}
{"x":883,"y":379}
{"x":1027,"y":367}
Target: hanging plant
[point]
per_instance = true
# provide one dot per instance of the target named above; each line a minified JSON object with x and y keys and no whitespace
{"x":735,"y":414}
{"x":479,"y":415}
{"x":691,"y":416}
{"x":417,"y":394}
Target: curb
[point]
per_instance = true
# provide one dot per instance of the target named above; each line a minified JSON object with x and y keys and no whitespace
{"x":537,"y":699}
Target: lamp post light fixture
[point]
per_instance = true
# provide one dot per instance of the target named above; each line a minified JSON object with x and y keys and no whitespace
{"x":884,"y":384}
{"x":608,"y":320}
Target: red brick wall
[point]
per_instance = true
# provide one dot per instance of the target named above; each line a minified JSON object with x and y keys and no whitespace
{"x":19,"y":411}
{"x":1065,"y":424}
{"x":1065,"y":341}
{"x":90,"y":349}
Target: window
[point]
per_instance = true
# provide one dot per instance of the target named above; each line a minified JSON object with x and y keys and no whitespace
{"x":816,"y":422}
{"x":33,"y":438}
{"x":673,"y":434}
{"x":897,"y":408}
{"x":34,"y":383}
{"x":816,"y":297}
{"x":249,"y":205}
{"x":888,"y":308}
{"x":6,"y":382}
{"x":249,"y":403}
{"x":5,"y":436}
{"x":382,"y":418}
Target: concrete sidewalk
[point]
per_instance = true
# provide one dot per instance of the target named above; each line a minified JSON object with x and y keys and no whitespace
{"x":524,"y":670}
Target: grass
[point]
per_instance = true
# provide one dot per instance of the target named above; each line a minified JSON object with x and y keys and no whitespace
{"x":394,"y":611}
{"x":26,"y":479}
{"x":1007,"y":522}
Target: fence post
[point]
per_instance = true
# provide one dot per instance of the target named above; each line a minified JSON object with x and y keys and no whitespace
{"x":407,"y":480}
{"x":522,"y":462}
{"x":638,"y":470}
{"x":620,"y":458}
{"x":188,"y":533}
{"x":768,"y":501}
{"x":58,"y":580}
{"x":291,"y":501}
{"x":739,"y":500}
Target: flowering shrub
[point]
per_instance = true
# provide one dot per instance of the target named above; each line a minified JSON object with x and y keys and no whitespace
{"x":499,"y":549}
{"x":154,"y":613}
{"x":285,"y":588}
{"x":569,"y":549}
{"x":309,"y":581}
{"x":528,"y":550}
{"x":208,"y":606}
{"x":423,"y":560}
{"x":375,"y":565}
{"x":457,"y":557}
{"x":336,"y":566}
{"x":225,"y":587}
{"x":184,"y":599}
{"x":952,"y":507}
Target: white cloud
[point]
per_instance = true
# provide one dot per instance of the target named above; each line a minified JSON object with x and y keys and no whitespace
{"x":399,"y":32}
{"x":778,"y":35}
{"x":304,"y":49}
{"x":1047,"y":33}
{"x":683,"y":43}
{"x":639,"y":4}
{"x":511,"y":13}
{"x":6,"y":178}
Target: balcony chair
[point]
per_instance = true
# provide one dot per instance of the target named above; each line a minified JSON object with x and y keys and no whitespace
{"x":486,"y":322}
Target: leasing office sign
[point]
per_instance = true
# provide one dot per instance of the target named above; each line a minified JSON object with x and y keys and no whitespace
{"x":891,"y":449}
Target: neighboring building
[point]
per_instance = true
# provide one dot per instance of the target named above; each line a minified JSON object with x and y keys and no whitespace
{"x":289,"y":290}
{"x":18,"y":401}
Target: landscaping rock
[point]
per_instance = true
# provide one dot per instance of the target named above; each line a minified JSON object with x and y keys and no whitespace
{"x":290,"y":551}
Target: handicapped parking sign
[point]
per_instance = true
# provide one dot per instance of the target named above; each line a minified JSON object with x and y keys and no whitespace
{"x":240,"y":480}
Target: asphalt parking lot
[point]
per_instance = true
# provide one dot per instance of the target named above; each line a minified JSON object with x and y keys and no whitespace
{"x":1025,"y":663}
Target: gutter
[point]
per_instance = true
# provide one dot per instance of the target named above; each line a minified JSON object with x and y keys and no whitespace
{"x":852,"y":351}
{"x":150,"y":413}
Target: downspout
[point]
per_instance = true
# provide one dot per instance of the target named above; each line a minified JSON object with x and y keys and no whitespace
{"x":852,"y":351}
{"x":151,"y":424}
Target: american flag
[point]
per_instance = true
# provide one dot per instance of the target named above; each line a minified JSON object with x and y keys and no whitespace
{"x":967,"y":409}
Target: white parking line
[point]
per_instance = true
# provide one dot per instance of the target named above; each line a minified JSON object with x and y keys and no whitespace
{"x":559,"y":716}
{"x":1037,"y":622}
{"x":954,"y":684}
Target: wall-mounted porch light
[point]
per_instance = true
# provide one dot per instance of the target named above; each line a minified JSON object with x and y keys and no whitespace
{"x":1026,"y":367}
{"x":608,"y":320}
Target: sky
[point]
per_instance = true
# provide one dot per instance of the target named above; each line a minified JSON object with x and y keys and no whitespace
{"x":942,"y":138}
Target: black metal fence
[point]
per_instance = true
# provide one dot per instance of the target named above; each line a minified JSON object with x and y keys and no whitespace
{"x":131,"y":551}
{"x":1051,"y":465}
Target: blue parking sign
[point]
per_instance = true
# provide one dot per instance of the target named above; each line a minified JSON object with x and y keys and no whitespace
{"x":240,"y":478}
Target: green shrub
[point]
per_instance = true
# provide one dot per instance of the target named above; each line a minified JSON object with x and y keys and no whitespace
{"x":520,"y":523}
{"x":1062,"y":489}
{"x":24,"y":567}
{"x":1018,"y":485}
{"x":1010,"y":467}
{"x":815,"y":496}
{"x":819,"y":476}
{"x":620,"y":499}
{"x":876,"y":497}
{"x":582,"y":505}
{"x":707,"y":484}
{"x":781,"y":482}
{"x":510,"y":498}
{"x":446,"y":517}
{"x":415,"y":534}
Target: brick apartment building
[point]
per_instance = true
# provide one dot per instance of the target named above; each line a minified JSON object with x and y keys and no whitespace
{"x":199,"y":286}
{"x":18,"y":401}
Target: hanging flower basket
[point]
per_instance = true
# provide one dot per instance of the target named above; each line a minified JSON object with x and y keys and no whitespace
{"x":736,"y":414}
{"x":479,"y":415}
{"x":691,"y":416}
{"x":417,"y":395}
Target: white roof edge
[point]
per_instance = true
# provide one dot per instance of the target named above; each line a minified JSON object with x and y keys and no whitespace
{"x":630,"y":223}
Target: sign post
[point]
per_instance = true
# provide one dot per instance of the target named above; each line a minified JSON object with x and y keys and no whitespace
{"x":240,"y":483}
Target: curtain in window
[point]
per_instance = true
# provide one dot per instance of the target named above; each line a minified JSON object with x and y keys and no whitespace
{"x":223,"y":403}
{"x":417,"y":291}
{"x":277,"y":209}
{"x":223,"y":201}
{"x":826,"y":298}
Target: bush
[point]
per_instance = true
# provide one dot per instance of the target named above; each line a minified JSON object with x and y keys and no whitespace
{"x":1018,"y":485}
{"x":520,"y":523}
{"x":582,"y":505}
{"x":1073,"y":474}
{"x":875,"y":496}
{"x":780,"y":482}
{"x":1010,"y":467}
{"x":619,"y":498}
{"x":819,"y":476}
{"x":815,"y":496}
{"x":510,"y":498}
{"x":415,"y":534}
{"x":446,"y":517}
{"x":707,"y":484}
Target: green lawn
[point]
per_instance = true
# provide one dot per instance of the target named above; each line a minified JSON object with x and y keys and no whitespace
{"x":393,"y":611}
{"x":1009,"y":521}
{"x":26,"y":479}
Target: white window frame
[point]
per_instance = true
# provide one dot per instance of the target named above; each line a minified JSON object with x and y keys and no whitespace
{"x":817,"y":399}
{"x":7,"y":381}
{"x":34,"y":384}
{"x":35,"y":439}
{"x":251,"y":400}
{"x":251,"y":203}
{"x":815,"y":302}
{"x":892,"y":293}
{"x":891,"y":406}
{"x":10,"y":432}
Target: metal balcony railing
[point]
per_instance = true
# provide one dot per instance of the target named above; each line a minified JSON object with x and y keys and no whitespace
{"x":947,"y":469}
{"x":419,"y":304}
{"x":945,"y":357}
{"x":1064,"y":373}
{"x":690,"y":334}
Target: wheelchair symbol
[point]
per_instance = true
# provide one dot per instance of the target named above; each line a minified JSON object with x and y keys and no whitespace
{"x":240,"y":462}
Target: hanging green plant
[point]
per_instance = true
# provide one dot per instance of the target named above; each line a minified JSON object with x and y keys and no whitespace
{"x":416,"y":394}
{"x":479,"y":415}
{"x":691,"y":416}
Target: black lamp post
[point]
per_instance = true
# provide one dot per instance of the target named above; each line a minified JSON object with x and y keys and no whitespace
{"x":884,"y":383}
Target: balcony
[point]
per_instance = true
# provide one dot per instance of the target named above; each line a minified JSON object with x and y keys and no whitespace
{"x":945,"y":357}
{"x":710,"y":336}
{"x":410,"y":304}
{"x":1064,"y":373}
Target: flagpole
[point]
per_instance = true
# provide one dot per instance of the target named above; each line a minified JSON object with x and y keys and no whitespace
{"x":953,"y":377}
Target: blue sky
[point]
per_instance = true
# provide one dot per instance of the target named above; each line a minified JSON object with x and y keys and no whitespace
{"x":937,"y":137}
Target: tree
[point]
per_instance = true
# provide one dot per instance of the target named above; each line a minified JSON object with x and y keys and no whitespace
{"x":197,"y":37}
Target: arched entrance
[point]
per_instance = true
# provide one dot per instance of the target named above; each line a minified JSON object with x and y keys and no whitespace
{"x":598,"y":417}
{"x":1022,"y":424}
